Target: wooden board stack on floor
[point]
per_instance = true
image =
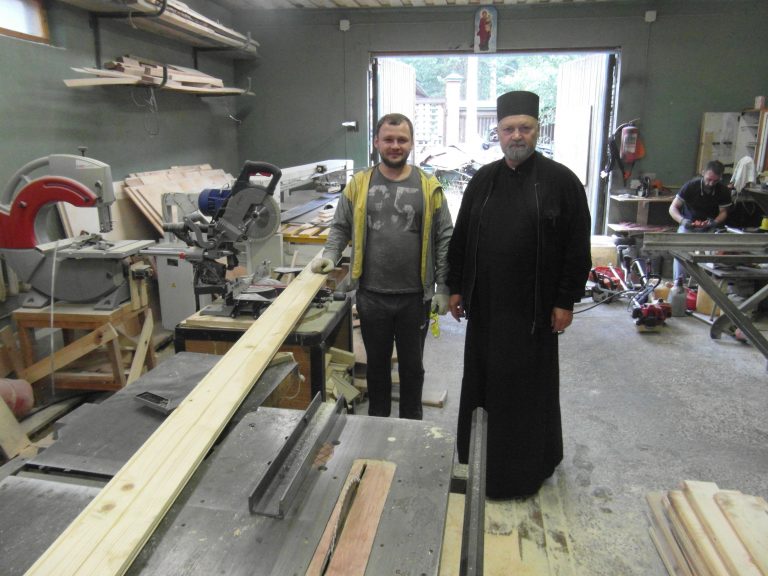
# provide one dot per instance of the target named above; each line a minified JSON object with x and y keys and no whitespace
{"x":701,"y":530}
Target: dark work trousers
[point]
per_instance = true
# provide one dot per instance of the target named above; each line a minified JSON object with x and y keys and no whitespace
{"x":402,"y":320}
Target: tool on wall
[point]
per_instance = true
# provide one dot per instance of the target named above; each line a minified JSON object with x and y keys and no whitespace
{"x":81,"y":270}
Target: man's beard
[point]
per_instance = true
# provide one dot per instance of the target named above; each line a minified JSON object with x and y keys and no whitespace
{"x":518,"y":153}
{"x":395,"y":165}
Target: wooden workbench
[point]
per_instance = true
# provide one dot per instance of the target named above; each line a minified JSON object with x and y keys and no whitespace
{"x":317,"y":331}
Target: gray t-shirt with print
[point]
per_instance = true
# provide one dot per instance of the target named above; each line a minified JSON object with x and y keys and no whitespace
{"x":392,"y":260}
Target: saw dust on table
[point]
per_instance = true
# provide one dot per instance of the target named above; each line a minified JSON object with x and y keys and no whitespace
{"x":522,"y":537}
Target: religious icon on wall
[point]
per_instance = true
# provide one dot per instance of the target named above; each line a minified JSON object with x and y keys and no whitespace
{"x":485,"y":29}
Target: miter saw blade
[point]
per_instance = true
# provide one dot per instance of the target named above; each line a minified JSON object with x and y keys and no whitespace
{"x":265,"y":221}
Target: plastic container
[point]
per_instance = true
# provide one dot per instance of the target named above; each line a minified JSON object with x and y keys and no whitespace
{"x":678,"y":298}
{"x":705,"y":304}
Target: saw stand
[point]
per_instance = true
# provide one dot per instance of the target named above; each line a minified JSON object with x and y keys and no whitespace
{"x":103,"y":329}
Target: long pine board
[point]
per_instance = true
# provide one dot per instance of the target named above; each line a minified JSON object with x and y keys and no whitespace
{"x":749,"y":517}
{"x":108,"y":534}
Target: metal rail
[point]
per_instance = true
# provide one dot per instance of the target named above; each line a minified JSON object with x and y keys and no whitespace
{"x":275,"y":490}
{"x":660,"y":242}
{"x":474,"y":507}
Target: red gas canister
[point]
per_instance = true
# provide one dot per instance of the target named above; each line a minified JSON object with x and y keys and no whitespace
{"x":690,"y":299}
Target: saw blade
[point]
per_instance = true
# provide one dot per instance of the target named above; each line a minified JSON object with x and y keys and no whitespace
{"x":266,"y":220}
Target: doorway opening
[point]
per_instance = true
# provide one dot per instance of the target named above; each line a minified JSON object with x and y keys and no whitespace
{"x":451,"y":100}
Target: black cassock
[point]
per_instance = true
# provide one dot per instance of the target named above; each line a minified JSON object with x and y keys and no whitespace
{"x":510,"y":369}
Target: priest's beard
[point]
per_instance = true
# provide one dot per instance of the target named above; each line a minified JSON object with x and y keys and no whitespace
{"x":518,"y":153}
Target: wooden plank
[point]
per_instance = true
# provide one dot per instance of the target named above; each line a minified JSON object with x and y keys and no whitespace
{"x":71,"y":352}
{"x":45,"y":416}
{"x":10,"y":358}
{"x":514,"y":539}
{"x":346,"y":545}
{"x":692,"y":556}
{"x":557,"y":535}
{"x":12,"y":438}
{"x":106,"y":537}
{"x":697,"y":534}
{"x":665,"y":542}
{"x":749,"y":517}
{"x":88,"y":82}
{"x":145,"y":209}
{"x":145,"y":341}
{"x":731,"y":550}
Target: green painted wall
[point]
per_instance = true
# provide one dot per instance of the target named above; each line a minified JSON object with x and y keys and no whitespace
{"x":698,"y":56}
{"x":39,"y":115}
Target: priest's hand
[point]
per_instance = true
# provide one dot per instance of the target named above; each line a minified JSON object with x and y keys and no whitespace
{"x":456,"y":307}
{"x":561,"y":319}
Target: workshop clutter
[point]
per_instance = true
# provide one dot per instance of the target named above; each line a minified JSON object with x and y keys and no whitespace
{"x":340,"y":365}
{"x":146,"y":189}
{"x":701,"y":529}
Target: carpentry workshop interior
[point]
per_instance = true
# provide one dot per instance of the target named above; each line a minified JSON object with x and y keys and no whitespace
{"x":184,"y":390}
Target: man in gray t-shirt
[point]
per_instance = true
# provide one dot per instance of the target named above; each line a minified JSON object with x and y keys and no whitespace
{"x":399,"y":262}
{"x":393,"y":235}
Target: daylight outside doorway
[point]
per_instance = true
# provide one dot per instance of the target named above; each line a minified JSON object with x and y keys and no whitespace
{"x":452,"y":102}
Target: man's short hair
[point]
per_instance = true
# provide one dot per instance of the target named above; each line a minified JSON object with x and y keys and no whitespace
{"x":394,"y":119}
{"x":716,"y":166}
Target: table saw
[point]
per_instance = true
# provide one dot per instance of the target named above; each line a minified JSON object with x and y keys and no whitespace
{"x":258,"y":503}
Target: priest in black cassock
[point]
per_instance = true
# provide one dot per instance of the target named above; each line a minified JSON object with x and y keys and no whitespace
{"x":519,"y":259}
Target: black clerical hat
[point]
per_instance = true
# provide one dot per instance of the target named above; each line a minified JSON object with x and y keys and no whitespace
{"x":516,"y":103}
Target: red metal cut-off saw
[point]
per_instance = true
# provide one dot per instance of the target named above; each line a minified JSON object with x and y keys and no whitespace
{"x":80,"y":270}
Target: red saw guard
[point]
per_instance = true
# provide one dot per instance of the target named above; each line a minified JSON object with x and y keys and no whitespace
{"x":17,"y":228}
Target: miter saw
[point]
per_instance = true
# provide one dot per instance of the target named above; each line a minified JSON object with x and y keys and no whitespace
{"x":80,"y":270}
{"x":215,"y":227}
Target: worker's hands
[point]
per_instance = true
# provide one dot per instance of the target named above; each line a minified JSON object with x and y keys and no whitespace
{"x":709,"y":224}
{"x":561,"y":319}
{"x":440,"y":304}
{"x":456,"y":307}
{"x":322,"y":265}
{"x":687,"y":223}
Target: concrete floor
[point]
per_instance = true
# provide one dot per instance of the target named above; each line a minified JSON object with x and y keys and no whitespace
{"x":641,"y":412}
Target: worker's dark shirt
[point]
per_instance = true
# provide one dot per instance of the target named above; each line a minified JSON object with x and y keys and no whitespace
{"x":700,"y":203}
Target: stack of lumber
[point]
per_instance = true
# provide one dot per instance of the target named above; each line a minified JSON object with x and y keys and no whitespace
{"x":137,"y":71}
{"x":177,"y":21}
{"x":146,"y":189}
{"x":701,"y":530}
{"x":338,"y":382}
{"x":313,"y":232}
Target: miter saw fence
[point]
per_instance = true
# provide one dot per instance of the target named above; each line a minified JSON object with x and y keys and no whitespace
{"x":224,"y":217}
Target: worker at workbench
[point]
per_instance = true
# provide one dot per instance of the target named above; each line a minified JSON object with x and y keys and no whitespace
{"x":518,"y":261}
{"x":398,"y":220}
{"x":701,"y":205}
